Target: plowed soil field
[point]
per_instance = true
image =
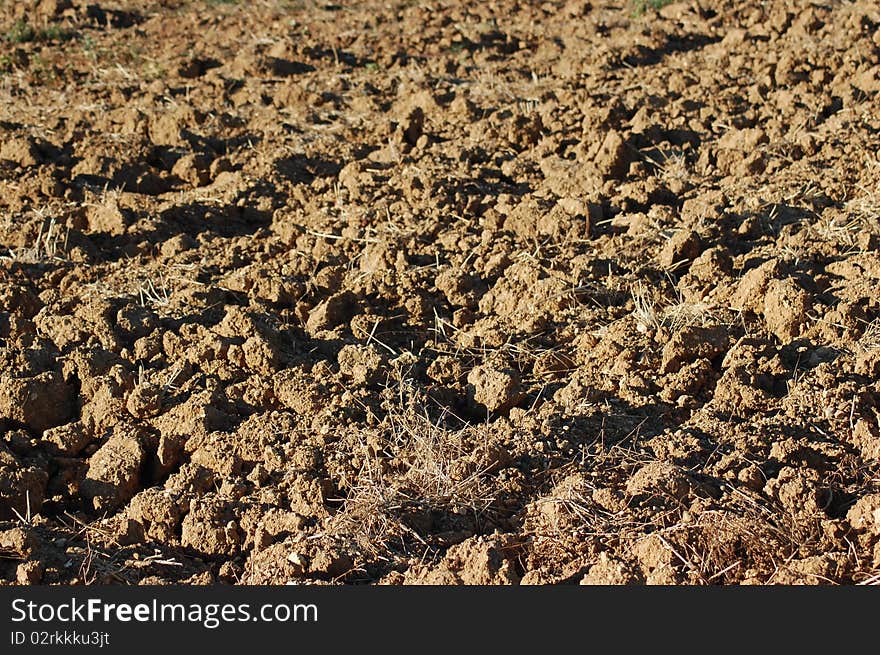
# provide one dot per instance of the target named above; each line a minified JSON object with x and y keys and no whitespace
{"x":440,"y":292}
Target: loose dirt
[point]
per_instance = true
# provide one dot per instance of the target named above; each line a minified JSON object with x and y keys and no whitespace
{"x":439,"y":292}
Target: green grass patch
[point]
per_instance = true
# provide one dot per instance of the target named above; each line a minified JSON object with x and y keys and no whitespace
{"x":23,"y":32}
{"x":55,"y":33}
{"x":642,"y":6}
